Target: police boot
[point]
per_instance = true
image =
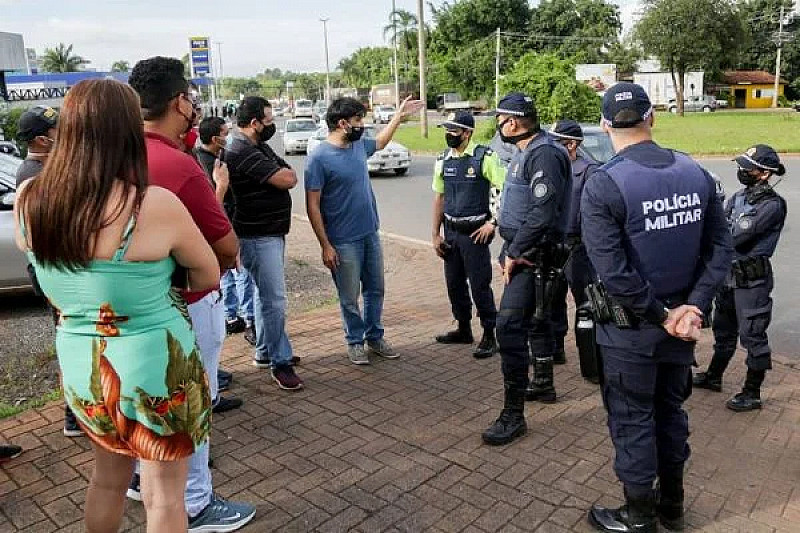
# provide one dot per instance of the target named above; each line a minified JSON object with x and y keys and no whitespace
{"x":638,"y":515}
{"x":750,"y":397}
{"x":511,"y":423}
{"x":559,"y":355}
{"x":670,"y":501}
{"x":711,"y":379}
{"x":541,"y":388}
{"x":462,"y":335}
{"x":487,"y":346}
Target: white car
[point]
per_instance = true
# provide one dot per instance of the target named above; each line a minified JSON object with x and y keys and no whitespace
{"x":297,"y":134}
{"x":13,"y":263}
{"x":394,"y":158}
{"x":383,"y":114}
{"x":303,"y":108}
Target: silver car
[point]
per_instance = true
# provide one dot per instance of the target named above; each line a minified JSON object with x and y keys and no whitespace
{"x":298,"y":132}
{"x":704,"y":103}
{"x":13,"y":263}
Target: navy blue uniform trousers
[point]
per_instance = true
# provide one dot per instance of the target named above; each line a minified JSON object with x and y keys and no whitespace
{"x":577,"y":276}
{"x":644,"y":397}
{"x":518,"y":333}
{"x":744,"y":314}
{"x":469,"y":262}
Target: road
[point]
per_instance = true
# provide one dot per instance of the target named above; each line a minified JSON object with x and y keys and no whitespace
{"x":404,"y":204}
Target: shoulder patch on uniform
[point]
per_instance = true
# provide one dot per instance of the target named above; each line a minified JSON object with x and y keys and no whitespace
{"x":540,"y":190}
{"x":745,"y":223}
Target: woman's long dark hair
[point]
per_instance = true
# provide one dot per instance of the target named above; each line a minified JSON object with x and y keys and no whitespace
{"x":100,"y":142}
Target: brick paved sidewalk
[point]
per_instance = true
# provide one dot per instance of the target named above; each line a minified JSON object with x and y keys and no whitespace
{"x":396,"y":446}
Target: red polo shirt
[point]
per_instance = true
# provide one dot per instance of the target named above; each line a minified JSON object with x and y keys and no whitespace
{"x":178,"y":172}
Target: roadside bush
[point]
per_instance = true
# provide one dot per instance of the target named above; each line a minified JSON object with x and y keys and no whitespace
{"x":9,"y":122}
{"x":551,"y":82}
{"x":485,"y":130}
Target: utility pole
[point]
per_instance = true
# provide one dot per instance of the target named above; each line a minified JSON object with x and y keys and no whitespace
{"x":394,"y":48}
{"x":327,"y":64}
{"x":497,"y":71}
{"x":779,"y":42}
{"x":219,"y":73}
{"x":423,"y":93}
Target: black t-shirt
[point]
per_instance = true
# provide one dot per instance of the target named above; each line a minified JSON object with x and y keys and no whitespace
{"x":28,"y":169}
{"x":261,"y":209}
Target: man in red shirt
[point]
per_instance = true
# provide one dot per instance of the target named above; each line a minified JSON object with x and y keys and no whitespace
{"x":168,"y":112}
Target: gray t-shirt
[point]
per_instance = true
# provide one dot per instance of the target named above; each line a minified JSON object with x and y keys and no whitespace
{"x":28,"y":169}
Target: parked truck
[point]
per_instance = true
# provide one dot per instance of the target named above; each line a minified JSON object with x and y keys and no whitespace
{"x":450,"y":102}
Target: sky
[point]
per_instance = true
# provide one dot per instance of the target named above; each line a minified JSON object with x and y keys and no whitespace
{"x":255,"y":34}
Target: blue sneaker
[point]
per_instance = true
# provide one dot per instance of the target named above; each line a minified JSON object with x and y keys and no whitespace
{"x":221,"y":516}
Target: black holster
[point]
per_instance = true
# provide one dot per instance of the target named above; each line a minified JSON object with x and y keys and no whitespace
{"x":589,"y":356}
{"x":606,"y":309}
{"x":750,"y":269}
{"x":548,"y":270}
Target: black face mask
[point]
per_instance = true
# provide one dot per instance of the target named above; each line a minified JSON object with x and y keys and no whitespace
{"x":745,"y":178}
{"x":513,"y":139}
{"x":355,"y":133}
{"x":267,"y":133}
{"x":453,"y":141}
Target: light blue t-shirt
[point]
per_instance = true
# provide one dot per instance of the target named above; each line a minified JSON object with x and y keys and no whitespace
{"x":347,"y":202}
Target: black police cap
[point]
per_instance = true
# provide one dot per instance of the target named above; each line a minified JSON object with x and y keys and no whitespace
{"x":567,"y":129}
{"x":761,"y":157}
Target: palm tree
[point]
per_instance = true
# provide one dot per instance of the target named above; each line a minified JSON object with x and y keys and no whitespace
{"x":402,"y":27}
{"x":121,"y":66}
{"x":60,"y":59}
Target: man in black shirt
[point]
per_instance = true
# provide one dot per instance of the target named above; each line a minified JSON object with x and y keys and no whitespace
{"x":260,"y":181}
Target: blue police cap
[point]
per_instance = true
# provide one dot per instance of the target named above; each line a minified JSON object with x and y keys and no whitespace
{"x":761,"y":157}
{"x":462,"y":120}
{"x":516,"y":104}
{"x":625,"y":105}
{"x":568,"y":130}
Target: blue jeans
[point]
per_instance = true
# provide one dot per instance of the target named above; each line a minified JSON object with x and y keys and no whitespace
{"x":360,"y":270}
{"x":264,"y":258}
{"x":237,"y":292}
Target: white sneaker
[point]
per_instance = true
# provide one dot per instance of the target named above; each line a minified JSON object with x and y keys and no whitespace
{"x":357,"y":355}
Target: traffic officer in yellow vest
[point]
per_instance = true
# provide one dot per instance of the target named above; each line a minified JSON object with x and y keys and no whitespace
{"x":462,"y":181}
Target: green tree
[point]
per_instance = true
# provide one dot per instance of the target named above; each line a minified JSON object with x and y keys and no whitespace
{"x":187,"y":68}
{"x":624,"y":54}
{"x":759,"y":52}
{"x":581,"y":29}
{"x":462,"y":44}
{"x":9,"y":125}
{"x":685,"y":34}
{"x":551,"y":82}
{"x":367,"y":67}
{"x":61,"y":59}
{"x":402,"y":32}
{"x":121,"y":66}
{"x":232,"y":88}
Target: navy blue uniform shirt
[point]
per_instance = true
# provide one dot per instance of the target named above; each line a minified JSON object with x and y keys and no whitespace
{"x":678,"y":207}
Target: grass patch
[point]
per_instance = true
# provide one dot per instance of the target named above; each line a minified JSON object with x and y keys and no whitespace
{"x":7,"y":410}
{"x":720,"y":133}
{"x":728,"y":133}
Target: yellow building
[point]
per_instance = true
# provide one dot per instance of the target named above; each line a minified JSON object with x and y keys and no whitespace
{"x":752,"y":89}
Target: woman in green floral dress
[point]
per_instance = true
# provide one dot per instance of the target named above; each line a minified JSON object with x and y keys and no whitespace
{"x":104,"y":246}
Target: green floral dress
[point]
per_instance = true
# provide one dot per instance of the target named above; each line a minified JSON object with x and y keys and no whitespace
{"x":130,"y":367}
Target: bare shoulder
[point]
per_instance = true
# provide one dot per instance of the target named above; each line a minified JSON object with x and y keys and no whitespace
{"x":158,"y":200}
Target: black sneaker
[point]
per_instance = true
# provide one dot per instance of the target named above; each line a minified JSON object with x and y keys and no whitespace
{"x":704,"y":380}
{"x":223,"y":383}
{"x":235,"y":325}
{"x":250,"y":334}
{"x":224,"y":404}
{"x":487,"y":346}
{"x":71,"y":427}
{"x":9,"y":451}
{"x":135,"y":489}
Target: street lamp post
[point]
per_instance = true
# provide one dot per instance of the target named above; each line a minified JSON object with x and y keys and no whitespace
{"x":394,"y":51}
{"x":218,"y":78}
{"x":327,"y":64}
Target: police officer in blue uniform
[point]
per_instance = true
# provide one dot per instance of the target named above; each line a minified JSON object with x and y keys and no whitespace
{"x":462,"y":181}
{"x":577,"y":270}
{"x":657,"y":239}
{"x":532,"y":221}
{"x":756,"y":215}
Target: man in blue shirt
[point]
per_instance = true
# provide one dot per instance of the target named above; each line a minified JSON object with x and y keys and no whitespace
{"x":656,"y":236}
{"x":342,"y":209}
